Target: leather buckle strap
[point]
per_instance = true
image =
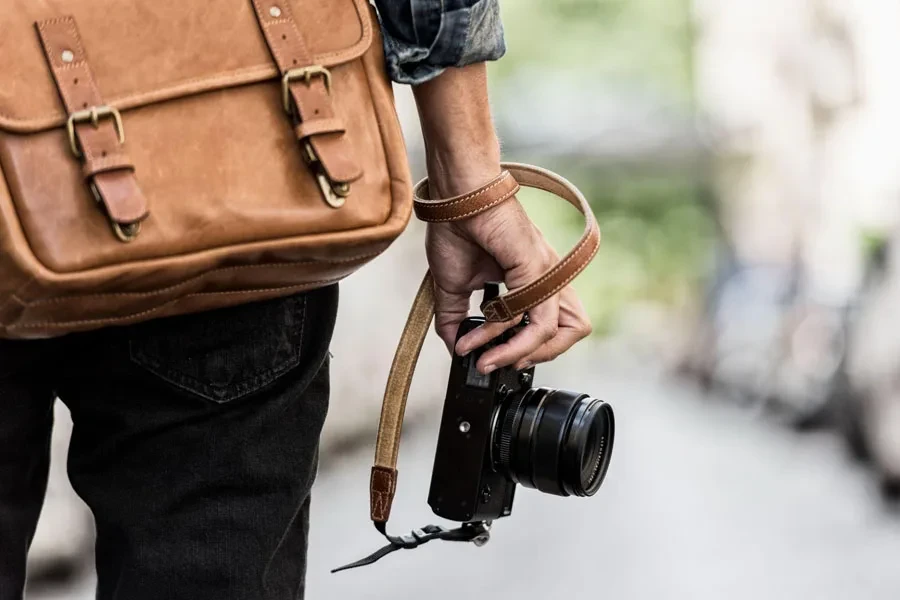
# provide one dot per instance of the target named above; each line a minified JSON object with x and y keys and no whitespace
{"x":306,"y":95}
{"x":502,"y":188}
{"x":95,"y":131}
{"x":92,"y":115}
{"x":383,"y":482}
{"x":306,"y":74}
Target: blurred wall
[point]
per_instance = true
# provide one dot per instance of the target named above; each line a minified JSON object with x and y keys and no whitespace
{"x":801,"y":95}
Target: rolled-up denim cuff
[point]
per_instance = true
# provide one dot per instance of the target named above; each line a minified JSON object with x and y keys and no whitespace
{"x":464,"y":36}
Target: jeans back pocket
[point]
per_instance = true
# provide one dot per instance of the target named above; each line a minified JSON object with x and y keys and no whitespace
{"x":224,"y":354}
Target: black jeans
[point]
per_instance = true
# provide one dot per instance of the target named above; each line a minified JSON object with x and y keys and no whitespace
{"x":195,"y":445}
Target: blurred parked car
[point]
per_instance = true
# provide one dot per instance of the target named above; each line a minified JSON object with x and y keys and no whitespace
{"x":871,"y":416}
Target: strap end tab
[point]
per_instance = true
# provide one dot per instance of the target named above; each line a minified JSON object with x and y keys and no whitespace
{"x":382,"y":485}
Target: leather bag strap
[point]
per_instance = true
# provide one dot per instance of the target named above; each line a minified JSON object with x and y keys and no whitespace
{"x":95,"y":130}
{"x":383,"y":482}
{"x":307,"y":94}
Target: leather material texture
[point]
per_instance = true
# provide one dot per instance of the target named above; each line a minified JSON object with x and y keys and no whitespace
{"x":499,"y":190}
{"x":310,"y":96}
{"x":144,"y":51}
{"x":382,"y":486}
{"x":106,"y":165}
{"x":234,"y":212}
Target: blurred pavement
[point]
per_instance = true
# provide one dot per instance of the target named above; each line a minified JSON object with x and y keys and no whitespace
{"x":701,"y":501}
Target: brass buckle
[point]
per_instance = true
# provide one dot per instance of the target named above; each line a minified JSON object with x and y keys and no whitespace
{"x":306,"y":74}
{"x":126,"y":233}
{"x":335,"y":194}
{"x":93,"y":115}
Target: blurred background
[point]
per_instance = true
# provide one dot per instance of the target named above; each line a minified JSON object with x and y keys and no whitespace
{"x":741,"y":159}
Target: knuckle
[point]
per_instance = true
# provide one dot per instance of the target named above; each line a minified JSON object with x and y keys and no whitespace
{"x":550,"y":331}
{"x":585,"y":330}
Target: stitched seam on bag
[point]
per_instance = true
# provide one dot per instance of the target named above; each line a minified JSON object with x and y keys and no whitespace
{"x":392,"y":174}
{"x":48,"y":301}
{"x":79,"y":47}
{"x":212,"y":79}
{"x":140,"y":97}
{"x":14,"y":298}
{"x":288,"y":19}
{"x":59,"y":73}
{"x":392,"y":114}
{"x":62,"y":324}
{"x":15,"y":295}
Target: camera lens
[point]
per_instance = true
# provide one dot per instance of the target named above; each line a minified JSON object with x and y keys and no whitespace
{"x":556,"y":441}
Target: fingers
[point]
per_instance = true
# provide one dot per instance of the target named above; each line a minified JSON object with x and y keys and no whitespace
{"x":565,"y":339}
{"x":542,"y":327}
{"x":574,"y":326}
{"x":482,"y":335}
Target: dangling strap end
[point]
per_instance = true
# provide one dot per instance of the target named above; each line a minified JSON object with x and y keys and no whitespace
{"x":478,"y":533}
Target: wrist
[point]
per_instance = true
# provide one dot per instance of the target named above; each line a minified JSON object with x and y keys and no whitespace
{"x":452,"y":175}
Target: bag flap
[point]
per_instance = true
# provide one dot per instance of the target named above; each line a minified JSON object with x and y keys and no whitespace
{"x":144,"y":51}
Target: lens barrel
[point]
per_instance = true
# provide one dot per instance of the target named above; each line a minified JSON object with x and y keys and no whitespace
{"x":556,"y":441}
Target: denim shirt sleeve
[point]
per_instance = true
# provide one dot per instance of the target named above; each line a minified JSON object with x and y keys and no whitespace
{"x":423,"y":37}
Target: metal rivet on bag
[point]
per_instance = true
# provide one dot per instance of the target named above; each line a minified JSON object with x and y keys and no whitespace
{"x":465,"y":426}
{"x":67,"y":56}
{"x":275,"y":11}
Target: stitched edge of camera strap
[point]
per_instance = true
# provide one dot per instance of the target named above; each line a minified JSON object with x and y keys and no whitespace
{"x":503,"y":187}
{"x":383,"y":481}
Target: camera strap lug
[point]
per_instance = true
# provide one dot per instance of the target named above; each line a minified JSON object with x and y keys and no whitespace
{"x":479,"y":533}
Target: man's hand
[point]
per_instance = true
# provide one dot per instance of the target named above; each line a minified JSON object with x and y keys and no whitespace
{"x":500,"y":244}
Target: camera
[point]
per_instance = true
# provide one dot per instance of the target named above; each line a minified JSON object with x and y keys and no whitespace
{"x":498,"y":430}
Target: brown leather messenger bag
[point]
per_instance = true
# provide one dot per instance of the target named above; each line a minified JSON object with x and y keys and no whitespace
{"x":160,"y":157}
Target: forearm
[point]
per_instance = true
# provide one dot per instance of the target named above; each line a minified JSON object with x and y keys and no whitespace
{"x":461,"y":145}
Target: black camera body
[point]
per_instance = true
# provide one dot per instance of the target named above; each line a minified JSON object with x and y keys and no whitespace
{"x":464,"y":484}
{"x":498,"y":430}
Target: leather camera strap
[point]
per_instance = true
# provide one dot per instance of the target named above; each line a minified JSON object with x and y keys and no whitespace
{"x":95,"y":129}
{"x":504,"y":186}
{"x":383,"y":482}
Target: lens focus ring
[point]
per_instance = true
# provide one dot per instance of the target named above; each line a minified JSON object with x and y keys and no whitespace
{"x":511,"y":421}
{"x":556,"y":441}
